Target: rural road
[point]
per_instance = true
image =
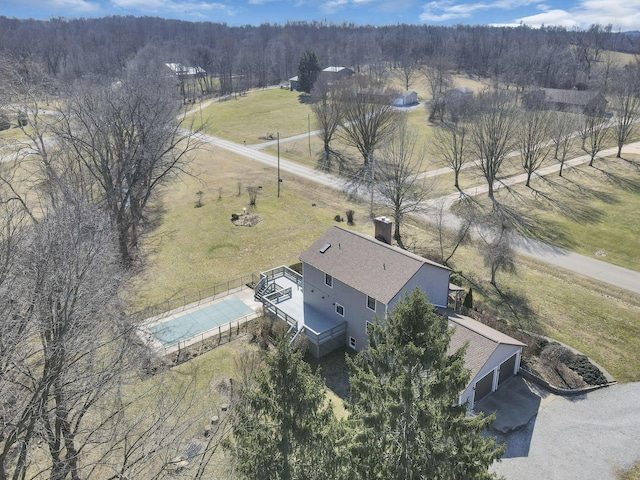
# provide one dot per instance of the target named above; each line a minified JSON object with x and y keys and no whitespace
{"x":588,"y":437}
{"x":583,"y":265}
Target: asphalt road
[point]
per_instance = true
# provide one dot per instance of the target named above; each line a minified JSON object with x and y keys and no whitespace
{"x":592,"y":436}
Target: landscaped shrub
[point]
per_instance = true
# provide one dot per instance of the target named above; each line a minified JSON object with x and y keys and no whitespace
{"x":234,"y":217}
{"x":587,"y":370}
{"x":350,"y":216}
{"x":338,"y":218}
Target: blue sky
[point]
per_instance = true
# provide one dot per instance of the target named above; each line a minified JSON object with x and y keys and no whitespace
{"x":622,"y":14}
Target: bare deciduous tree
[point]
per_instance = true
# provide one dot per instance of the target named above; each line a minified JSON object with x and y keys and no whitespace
{"x":625,"y":101}
{"x":594,"y":132}
{"x":252,"y":191}
{"x":498,"y":252}
{"x":398,"y":176}
{"x":128,"y":135}
{"x":369,"y":116}
{"x":327,"y":109}
{"x":438,"y":76}
{"x":491,"y":133}
{"x":563,"y":129}
{"x":532,"y":135}
{"x":451,"y":144}
{"x":452,"y":234}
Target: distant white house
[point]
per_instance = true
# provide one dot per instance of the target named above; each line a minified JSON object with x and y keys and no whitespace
{"x":185,"y":72}
{"x":348,"y":279}
{"x":406,"y":98}
{"x":294,"y":83}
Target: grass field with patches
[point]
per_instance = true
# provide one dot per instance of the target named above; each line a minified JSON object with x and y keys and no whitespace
{"x":195,"y":248}
{"x":590,"y":210}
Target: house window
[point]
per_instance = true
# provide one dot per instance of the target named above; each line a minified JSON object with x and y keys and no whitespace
{"x":371,"y":303}
{"x":339,"y":309}
{"x":328,"y":280}
{"x":352,"y":342}
{"x":368,"y":326}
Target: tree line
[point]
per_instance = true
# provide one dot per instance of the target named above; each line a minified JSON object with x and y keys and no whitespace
{"x":256,"y":56}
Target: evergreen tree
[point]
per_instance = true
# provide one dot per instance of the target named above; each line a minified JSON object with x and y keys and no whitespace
{"x":282,"y":428}
{"x":468,"y":299}
{"x":308,"y":70}
{"x":405,"y":419}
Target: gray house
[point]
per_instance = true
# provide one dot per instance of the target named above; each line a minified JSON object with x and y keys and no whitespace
{"x":588,"y":102}
{"x":349,"y":278}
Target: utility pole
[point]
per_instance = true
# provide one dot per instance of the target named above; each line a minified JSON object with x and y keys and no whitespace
{"x":373,"y":181}
{"x":309,"y":130}
{"x":279,"y":179}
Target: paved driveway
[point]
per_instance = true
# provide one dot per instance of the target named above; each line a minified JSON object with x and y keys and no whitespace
{"x":586,"y":437}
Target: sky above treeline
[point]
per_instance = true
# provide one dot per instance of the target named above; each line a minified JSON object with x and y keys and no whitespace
{"x":623,"y":15}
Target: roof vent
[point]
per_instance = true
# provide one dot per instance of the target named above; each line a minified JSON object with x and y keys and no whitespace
{"x":325,"y":247}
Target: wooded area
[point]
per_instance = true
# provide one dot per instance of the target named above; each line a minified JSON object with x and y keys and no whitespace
{"x":257,"y":56}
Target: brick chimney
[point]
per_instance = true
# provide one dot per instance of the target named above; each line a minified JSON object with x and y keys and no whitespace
{"x":383,"y":229}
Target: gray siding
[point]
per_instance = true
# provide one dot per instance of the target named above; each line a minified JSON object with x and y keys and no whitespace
{"x":433,"y":281}
{"x":323,"y":298}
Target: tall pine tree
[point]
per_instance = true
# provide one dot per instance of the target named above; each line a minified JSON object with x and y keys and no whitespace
{"x":405,"y":417}
{"x":283,"y":427}
{"x":308,"y":71}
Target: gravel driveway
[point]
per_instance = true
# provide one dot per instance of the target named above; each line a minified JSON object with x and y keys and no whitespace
{"x":591,"y":436}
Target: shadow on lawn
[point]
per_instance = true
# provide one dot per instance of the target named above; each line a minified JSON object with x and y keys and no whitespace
{"x":334,"y":371}
{"x":631,"y":185}
{"x":528,"y":225}
{"x":506,"y":304}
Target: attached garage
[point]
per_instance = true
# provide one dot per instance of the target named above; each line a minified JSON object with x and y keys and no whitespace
{"x":491,"y":356}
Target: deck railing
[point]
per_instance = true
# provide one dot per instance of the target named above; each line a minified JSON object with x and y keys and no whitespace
{"x":271,"y":307}
{"x":278,"y":295}
{"x":326,"y":336}
{"x":282,"y":271}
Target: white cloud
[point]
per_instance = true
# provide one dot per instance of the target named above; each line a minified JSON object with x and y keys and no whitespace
{"x":174,"y":6}
{"x":333,"y":5}
{"x":621,"y":14}
{"x":439,"y":11}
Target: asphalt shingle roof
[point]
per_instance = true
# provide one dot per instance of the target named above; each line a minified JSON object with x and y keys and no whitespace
{"x":483,"y":341}
{"x":364,"y":263}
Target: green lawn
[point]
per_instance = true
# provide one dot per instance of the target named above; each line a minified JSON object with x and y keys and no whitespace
{"x":257,"y":114}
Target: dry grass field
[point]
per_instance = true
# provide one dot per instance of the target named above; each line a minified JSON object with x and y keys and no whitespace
{"x":195,"y":248}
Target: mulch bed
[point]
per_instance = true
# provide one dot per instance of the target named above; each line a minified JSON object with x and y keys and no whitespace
{"x":246,"y":220}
